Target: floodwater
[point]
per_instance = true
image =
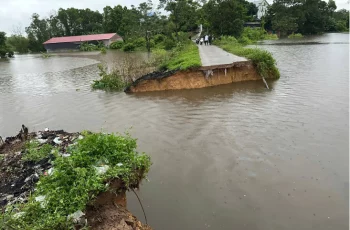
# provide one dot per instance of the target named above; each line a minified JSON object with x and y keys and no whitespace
{"x":229,"y":157}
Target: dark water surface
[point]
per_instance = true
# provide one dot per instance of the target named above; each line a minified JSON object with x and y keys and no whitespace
{"x":230,"y":157}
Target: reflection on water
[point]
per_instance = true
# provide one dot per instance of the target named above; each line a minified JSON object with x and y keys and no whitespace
{"x":229,"y":157}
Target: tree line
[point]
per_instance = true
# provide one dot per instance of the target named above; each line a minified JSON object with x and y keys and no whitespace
{"x":218,"y":17}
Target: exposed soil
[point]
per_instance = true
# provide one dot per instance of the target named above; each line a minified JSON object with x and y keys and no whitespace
{"x":192,"y":79}
{"x":109,"y":211}
{"x":18,"y":179}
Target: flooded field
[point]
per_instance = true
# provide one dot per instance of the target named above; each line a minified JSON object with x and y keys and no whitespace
{"x":229,"y":157}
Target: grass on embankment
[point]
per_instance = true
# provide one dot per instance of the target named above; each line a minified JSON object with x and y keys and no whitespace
{"x":183,"y":57}
{"x":263,"y":60}
{"x":76,"y":180}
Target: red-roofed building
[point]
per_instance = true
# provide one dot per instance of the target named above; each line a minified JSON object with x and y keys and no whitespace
{"x":73,"y":42}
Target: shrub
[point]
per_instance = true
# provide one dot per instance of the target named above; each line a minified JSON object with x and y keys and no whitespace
{"x":140,"y":42}
{"x":116,"y":45}
{"x":169,"y":44}
{"x":297,"y":35}
{"x":103,"y":50}
{"x":158,"y":38}
{"x":85,"y":46}
{"x":129,"y":47}
{"x":109,"y":81}
{"x":244,"y":40}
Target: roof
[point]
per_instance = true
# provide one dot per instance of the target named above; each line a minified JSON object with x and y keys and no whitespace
{"x":82,"y":38}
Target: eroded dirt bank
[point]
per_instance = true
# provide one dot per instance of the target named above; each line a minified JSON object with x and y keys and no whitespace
{"x":18,"y":178}
{"x":192,"y":79}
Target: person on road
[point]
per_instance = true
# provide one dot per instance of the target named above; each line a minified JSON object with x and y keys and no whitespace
{"x":206,"y":39}
{"x":210,"y":39}
{"x":201,"y":41}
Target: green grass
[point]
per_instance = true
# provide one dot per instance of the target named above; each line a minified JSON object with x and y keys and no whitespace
{"x":183,"y":57}
{"x":297,"y":35}
{"x":75,"y":182}
{"x":263,"y":60}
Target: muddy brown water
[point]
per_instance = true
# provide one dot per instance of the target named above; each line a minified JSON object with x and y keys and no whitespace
{"x":230,"y":157}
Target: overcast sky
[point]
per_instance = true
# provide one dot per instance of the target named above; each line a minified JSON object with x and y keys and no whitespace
{"x":17,"y":13}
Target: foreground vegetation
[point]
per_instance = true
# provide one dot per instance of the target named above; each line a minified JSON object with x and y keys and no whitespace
{"x":263,"y":60}
{"x":75,"y":181}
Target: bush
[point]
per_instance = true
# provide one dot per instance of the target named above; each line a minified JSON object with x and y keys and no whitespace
{"x":169,"y":44}
{"x":129,"y":47}
{"x":103,"y":50}
{"x":263,"y":60}
{"x":85,"y":46}
{"x":140,"y":42}
{"x":244,"y":40}
{"x":109,"y":81}
{"x":293,"y":35}
{"x":116,"y":45}
{"x":74,"y":181}
{"x":158,"y":38}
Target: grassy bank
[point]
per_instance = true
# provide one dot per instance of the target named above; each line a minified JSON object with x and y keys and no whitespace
{"x":95,"y":159}
{"x":263,"y":60}
{"x":184,"y":56}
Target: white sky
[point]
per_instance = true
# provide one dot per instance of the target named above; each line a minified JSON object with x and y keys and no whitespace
{"x":17,"y":13}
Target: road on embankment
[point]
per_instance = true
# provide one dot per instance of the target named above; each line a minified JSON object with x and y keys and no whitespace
{"x":213,"y":56}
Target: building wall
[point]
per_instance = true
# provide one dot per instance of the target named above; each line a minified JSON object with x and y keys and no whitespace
{"x":54,"y":47}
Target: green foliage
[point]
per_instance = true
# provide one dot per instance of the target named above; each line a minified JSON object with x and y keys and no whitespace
{"x":85,"y":46}
{"x":128,"y":47}
{"x":140,"y":42}
{"x":263,"y":60}
{"x":103,"y":50}
{"x":36,"y":152}
{"x":305,"y":17}
{"x":184,"y":56}
{"x":297,"y":35}
{"x":5,"y":50}
{"x":45,"y":55}
{"x":75,"y":182}
{"x":109,"y":81}
{"x":117,"y":45}
{"x":18,"y":43}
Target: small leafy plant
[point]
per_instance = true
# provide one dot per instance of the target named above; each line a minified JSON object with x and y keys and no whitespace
{"x":35,"y":152}
{"x":75,"y":181}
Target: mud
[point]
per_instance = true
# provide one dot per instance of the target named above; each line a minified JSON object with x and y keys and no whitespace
{"x":193,"y":79}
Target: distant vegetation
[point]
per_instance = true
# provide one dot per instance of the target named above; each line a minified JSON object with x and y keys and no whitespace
{"x":5,"y":50}
{"x":142,"y":26}
{"x":306,"y":17}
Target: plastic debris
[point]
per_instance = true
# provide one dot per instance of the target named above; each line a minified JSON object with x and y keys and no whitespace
{"x":81,"y":137}
{"x":65,"y":155}
{"x":119,"y":164}
{"x":101,"y":169}
{"x":57,"y":141}
{"x":50,"y":171}
{"x":42,"y":141}
{"x":18,"y":215}
{"x":47,"y":129}
{"x":76,"y":216}
{"x":41,"y":200}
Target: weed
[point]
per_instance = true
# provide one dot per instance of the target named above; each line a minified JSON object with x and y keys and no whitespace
{"x":75,"y":182}
{"x":184,"y":56}
{"x":35,"y":152}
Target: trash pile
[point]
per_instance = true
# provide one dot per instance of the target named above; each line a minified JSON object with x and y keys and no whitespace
{"x":18,"y":177}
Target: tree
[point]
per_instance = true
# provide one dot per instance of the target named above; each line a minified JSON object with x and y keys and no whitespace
{"x":5,"y":50}
{"x":183,"y":14}
{"x":18,"y":43}
{"x":38,"y":32}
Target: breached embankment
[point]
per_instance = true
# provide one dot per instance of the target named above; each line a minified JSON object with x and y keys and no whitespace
{"x":196,"y":78}
{"x":23,"y":165}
